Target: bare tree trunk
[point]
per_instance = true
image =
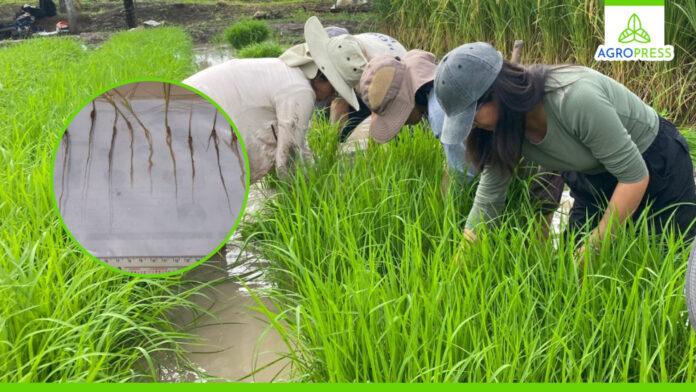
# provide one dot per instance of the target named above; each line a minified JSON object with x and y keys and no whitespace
{"x":72,"y":17}
{"x":61,"y":7}
{"x":130,"y":13}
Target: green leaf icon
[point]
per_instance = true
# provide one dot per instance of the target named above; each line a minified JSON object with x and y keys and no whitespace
{"x":634,"y":23}
{"x":634,"y":32}
{"x":642,"y":36}
{"x":626,"y":36}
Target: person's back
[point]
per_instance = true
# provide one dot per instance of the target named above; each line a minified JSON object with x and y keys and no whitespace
{"x":269,"y":102}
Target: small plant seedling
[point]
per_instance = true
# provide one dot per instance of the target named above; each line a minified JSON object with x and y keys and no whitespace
{"x":247,"y":32}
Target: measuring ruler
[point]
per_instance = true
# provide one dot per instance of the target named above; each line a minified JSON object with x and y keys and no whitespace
{"x":150,"y":265}
{"x":690,"y":287}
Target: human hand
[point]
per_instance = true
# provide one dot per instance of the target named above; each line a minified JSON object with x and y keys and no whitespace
{"x":469,"y":238}
{"x":579,"y":262}
{"x":445,"y":182}
{"x":580,"y":256}
{"x":469,"y":235}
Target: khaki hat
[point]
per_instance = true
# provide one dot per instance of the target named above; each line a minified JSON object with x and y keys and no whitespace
{"x":335,"y":31}
{"x":299,"y":56}
{"x":388,"y":87}
{"x":340,"y":59}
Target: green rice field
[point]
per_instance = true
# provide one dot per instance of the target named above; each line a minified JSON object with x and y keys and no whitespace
{"x":363,"y":252}
{"x":64,"y":317}
{"x":368,"y":277}
{"x":365,"y":249}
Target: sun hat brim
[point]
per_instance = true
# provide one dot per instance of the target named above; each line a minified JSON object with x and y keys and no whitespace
{"x":387,"y":125}
{"x":459,"y":124}
{"x":317,"y":41}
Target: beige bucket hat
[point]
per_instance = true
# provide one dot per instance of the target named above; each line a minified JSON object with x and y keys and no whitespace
{"x":299,"y":56}
{"x":388,"y":87}
{"x":340,"y":59}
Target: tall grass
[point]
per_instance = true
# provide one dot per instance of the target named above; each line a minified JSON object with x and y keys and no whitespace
{"x":64,"y":317}
{"x":362,"y":252}
{"x":554,"y":32}
{"x":690,"y":136}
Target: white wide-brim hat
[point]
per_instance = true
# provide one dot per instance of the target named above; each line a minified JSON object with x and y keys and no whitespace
{"x":340,"y":59}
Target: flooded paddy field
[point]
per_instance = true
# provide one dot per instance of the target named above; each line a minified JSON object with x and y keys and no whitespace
{"x":233,"y":341}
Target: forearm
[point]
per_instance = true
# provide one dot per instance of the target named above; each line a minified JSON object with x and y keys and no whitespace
{"x":624,"y":201}
{"x":293,"y":117}
{"x":490,"y":198}
{"x":339,"y":112}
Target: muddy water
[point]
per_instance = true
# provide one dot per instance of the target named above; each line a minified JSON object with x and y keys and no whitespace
{"x":210,"y":55}
{"x":234,"y":339}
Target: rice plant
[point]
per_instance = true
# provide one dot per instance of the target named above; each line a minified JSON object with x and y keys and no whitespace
{"x":554,"y":32}
{"x":690,"y":136}
{"x":374,"y":284}
{"x":247,"y":32}
{"x":260,"y":49}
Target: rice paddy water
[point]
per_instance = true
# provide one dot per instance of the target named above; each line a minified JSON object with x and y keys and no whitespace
{"x":211,"y":54}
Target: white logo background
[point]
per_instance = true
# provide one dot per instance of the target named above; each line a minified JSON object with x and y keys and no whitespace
{"x":616,"y":20}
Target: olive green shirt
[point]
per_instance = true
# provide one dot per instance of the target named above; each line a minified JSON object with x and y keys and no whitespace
{"x":594,"y":125}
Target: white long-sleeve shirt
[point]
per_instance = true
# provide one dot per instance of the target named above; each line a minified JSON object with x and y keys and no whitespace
{"x":270,"y":104}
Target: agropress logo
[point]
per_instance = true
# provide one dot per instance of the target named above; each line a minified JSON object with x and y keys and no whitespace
{"x":634,"y":30}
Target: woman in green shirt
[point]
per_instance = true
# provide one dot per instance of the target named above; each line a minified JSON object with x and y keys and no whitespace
{"x":609,"y":144}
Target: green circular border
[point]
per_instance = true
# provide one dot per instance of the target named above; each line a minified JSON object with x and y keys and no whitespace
{"x":246,"y":167}
{"x":690,"y":286}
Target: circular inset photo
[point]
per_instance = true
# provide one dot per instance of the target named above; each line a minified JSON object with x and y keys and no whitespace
{"x":150,"y":177}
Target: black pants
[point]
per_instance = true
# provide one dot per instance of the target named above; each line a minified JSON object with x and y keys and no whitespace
{"x":671,"y":182}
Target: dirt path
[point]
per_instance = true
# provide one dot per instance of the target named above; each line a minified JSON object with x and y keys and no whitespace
{"x":99,"y":19}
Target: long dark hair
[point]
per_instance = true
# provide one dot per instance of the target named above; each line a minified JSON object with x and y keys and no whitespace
{"x":423,"y":92}
{"x":519,"y":89}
